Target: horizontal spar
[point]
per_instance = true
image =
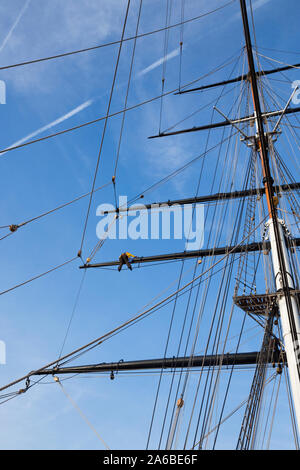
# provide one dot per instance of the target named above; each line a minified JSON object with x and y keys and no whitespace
{"x":247,"y":358}
{"x":240,"y":78}
{"x":208,"y":198}
{"x":256,"y":246}
{"x":225,"y":123}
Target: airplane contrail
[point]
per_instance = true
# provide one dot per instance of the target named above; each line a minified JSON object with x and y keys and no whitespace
{"x":7,"y":37}
{"x":158,"y":62}
{"x":52,"y":124}
{"x":257,"y":4}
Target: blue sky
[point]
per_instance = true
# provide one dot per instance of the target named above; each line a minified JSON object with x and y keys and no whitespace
{"x":50,"y":96}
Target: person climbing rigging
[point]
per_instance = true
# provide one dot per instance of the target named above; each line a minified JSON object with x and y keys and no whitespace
{"x":124,"y":259}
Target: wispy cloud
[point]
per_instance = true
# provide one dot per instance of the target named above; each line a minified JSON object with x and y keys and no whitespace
{"x":42,"y":33}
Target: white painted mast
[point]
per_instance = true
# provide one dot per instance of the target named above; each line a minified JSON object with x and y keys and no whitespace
{"x":291,"y":343}
{"x":285,"y":286}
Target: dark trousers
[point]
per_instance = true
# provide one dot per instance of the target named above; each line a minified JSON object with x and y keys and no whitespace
{"x":124,"y":260}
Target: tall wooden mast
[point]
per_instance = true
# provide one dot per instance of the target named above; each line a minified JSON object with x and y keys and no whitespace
{"x":287,"y":302}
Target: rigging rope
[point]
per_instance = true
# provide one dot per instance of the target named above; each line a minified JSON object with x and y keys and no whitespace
{"x":184,"y":321}
{"x":75,"y":405}
{"x":106,"y":336}
{"x":278,"y":61}
{"x":125,"y":103}
{"x":105,"y":126}
{"x":181,"y":43}
{"x":164,"y":67}
{"x":94,"y":121}
{"x":102,"y":118}
{"x":112,"y":43}
{"x":216,"y":346}
{"x":61,"y":206}
{"x":194,"y":312}
{"x":38,"y":276}
{"x":72,"y":315}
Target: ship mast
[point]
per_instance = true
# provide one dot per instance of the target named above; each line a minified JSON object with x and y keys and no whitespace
{"x":285,"y":287}
{"x":284,"y":300}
